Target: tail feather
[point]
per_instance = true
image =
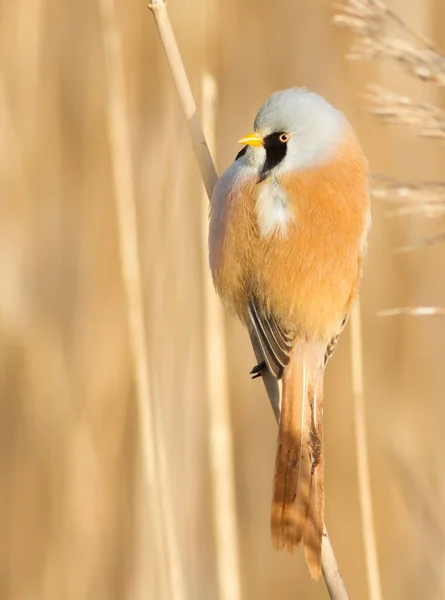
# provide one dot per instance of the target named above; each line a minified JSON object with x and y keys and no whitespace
{"x":298,"y":499}
{"x":313,"y":533}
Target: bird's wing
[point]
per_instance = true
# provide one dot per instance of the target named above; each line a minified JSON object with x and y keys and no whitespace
{"x":276,"y":343}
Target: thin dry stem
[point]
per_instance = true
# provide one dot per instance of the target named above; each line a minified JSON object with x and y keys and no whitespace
{"x":425,"y":241}
{"x":330,"y":569}
{"x":331,"y":573}
{"x":153,"y":459}
{"x":220,"y":430}
{"x":415,"y":487}
{"x":380,"y":33}
{"x":423,"y":118}
{"x":363,"y":470}
{"x":204,"y":159}
{"x":426,"y":198}
{"x":417,"y":311}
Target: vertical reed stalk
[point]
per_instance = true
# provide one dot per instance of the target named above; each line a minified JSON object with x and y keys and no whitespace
{"x":151,"y":441}
{"x":200,"y":148}
{"x":330,"y":569}
{"x":220,"y":430}
{"x":363,"y":470}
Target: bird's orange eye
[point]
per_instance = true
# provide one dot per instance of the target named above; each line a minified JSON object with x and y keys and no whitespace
{"x":284,"y":138}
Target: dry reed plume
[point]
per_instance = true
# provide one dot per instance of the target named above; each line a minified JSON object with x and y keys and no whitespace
{"x":380,"y":33}
{"x":423,"y":118}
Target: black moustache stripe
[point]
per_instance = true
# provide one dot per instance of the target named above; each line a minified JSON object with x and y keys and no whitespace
{"x":275,"y":153}
{"x":241,"y":153}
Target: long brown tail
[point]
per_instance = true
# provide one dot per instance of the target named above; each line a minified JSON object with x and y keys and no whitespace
{"x":298,"y":497}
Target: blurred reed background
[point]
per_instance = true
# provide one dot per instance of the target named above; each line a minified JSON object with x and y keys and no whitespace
{"x":73,"y":511}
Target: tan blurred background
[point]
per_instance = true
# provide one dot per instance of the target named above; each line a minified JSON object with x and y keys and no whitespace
{"x":72,"y":512}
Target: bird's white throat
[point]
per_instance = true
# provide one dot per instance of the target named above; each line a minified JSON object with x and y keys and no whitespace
{"x":273,"y":209}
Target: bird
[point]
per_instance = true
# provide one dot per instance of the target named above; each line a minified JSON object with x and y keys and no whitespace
{"x":288,"y":227}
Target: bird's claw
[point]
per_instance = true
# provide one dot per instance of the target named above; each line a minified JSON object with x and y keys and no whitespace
{"x":258,"y":369}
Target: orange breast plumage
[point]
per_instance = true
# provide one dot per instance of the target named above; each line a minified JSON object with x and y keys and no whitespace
{"x":306,"y":274}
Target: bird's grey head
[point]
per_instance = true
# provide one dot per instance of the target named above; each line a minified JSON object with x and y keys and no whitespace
{"x":294,"y":129}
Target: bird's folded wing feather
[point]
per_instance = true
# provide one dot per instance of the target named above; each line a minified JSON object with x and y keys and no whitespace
{"x":276,"y":344}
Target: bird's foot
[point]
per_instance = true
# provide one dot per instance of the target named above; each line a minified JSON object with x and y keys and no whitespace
{"x":258,"y":369}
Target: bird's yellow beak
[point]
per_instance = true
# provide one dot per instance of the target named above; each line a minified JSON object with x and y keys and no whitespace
{"x":252,"y":139}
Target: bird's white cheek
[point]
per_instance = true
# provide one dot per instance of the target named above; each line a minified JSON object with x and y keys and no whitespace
{"x":274,"y":210}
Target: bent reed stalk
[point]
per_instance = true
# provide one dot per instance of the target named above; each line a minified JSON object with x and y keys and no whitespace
{"x":330,"y":569}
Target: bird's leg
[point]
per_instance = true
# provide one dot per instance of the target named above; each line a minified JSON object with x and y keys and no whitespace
{"x":258,"y":369}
